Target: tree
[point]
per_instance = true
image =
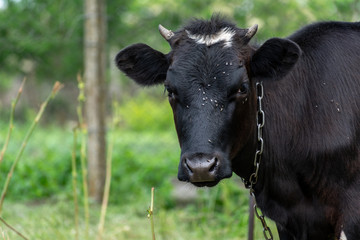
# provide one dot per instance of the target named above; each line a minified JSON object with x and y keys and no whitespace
{"x":94,"y":75}
{"x":48,"y":33}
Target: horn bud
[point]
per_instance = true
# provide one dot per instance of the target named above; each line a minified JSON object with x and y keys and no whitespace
{"x":167,"y":34}
{"x":251,"y":31}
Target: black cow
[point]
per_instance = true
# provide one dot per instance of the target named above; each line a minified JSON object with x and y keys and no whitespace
{"x":308,"y":179}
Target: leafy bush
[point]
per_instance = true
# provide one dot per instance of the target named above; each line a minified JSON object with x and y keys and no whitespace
{"x":45,"y":166}
{"x":146,"y":113}
{"x":140,"y":160}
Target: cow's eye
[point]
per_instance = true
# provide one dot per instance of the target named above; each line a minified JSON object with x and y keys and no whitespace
{"x":171,"y":93}
{"x":239,"y":92}
{"x":244,"y":88}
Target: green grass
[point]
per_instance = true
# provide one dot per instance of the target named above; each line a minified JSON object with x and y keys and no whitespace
{"x":54,"y":220}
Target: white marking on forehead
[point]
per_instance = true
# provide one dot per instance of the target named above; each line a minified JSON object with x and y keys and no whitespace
{"x":224,"y":35}
{"x":343,"y":236}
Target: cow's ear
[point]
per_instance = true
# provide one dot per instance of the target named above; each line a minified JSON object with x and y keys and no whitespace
{"x":275,"y":58}
{"x":143,"y":64}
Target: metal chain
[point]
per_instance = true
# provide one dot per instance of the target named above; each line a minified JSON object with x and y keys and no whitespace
{"x":260,"y":121}
{"x":258,"y":213}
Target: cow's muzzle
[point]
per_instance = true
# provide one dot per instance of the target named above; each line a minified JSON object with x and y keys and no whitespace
{"x":203,"y":169}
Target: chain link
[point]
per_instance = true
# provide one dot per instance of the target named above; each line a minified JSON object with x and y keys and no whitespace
{"x":260,"y":122}
{"x":258,"y":213}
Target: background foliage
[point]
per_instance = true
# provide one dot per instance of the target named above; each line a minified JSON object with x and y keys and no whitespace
{"x":49,"y":33}
{"x":43,"y":40}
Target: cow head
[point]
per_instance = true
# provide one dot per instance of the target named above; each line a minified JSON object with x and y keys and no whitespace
{"x":210,"y":76}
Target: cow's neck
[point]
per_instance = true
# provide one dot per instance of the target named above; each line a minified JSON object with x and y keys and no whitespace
{"x":242,"y":164}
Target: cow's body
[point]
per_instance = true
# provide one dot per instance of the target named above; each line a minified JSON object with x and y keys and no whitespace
{"x":309,"y":176}
{"x":310,"y":173}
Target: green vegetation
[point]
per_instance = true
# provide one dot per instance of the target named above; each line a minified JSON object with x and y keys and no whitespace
{"x":47,"y":39}
{"x":46,"y":164}
{"x":54,"y":220}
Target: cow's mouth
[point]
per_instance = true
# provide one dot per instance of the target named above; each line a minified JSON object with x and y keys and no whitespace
{"x":205,"y":184}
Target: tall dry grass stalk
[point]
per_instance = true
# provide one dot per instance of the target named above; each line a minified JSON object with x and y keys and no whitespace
{"x":11,"y":123}
{"x":12,"y":228}
{"x":55,"y":90}
{"x":114,"y":124}
{"x":83,"y":130}
{"x":74,"y":183}
{"x":151,"y":214}
{"x":3,"y":235}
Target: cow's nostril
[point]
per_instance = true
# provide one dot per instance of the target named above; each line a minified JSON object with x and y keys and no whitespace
{"x":187,"y":165}
{"x":212,"y":163}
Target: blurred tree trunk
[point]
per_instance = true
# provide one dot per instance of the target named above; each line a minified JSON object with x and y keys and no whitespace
{"x":94,"y":54}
